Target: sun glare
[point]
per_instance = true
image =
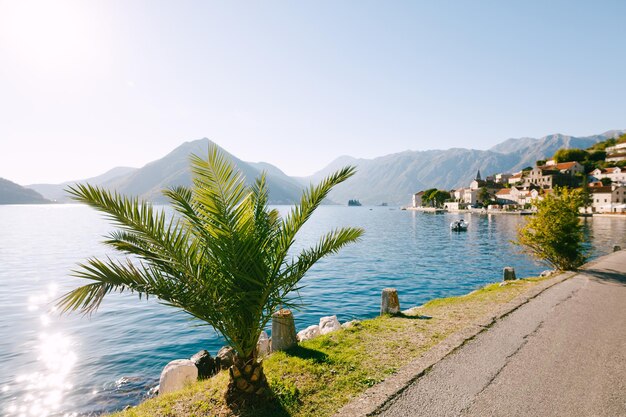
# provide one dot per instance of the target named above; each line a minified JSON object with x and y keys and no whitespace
{"x":49,"y":35}
{"x":43,"y":390}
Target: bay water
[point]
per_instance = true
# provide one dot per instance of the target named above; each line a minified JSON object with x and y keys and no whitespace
{"x":70,"y":365}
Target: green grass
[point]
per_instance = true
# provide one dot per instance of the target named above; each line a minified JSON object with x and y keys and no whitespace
{"x":319,"y":376}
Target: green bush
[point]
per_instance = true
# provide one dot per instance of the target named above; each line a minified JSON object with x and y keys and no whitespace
{"x":555,"y":235}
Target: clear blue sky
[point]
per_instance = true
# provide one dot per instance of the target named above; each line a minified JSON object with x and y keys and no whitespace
{"x":89,"y":85}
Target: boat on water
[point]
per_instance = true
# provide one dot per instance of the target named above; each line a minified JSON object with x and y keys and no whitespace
{"x":459,"y":225}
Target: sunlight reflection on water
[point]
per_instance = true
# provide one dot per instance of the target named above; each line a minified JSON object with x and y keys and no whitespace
{"x":42,"y":391}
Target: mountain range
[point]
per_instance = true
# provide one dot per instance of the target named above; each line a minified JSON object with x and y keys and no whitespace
{"x":391,"y":178}
{"x":12,"y":193}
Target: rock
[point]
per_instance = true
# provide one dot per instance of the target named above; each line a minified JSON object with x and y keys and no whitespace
{"x":263,"y":346}
{"x":153,"y":392}
{"x":176,"y":374}
{"x":617,"y":248}
{"x":547,"y":273}
{"x":389,"y":303}
{"x":350,"y":323}
{"x":508,"y":273}
{"x":329,"y":324}
{"x":225,"y":357}
{"x":205,"y":364}
{"x":308,"y":333}
{"x":283,"y":330}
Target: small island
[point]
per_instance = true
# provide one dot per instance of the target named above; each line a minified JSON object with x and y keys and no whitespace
{"x":354,"y":203}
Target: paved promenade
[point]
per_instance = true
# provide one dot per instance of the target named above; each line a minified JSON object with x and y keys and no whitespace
{"x":561,"y":354}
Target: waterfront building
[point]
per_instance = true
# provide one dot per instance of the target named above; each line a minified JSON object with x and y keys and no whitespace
{"x":608,"y":199}
{"x":616,"y":174}
{"x":616,"y":153}
{"x":550,"y":176}
{"x":417,"y":199}
{"x":516,"y":178}
{"x":452,"y":205}
{"x":516,"y":196}
{"x":502,"y":178}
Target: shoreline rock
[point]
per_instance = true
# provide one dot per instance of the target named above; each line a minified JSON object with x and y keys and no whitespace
{"x":205,"y":364}
{"x":308,"y":333}
{"x":329,"y":324}
{"x":176,"y":374}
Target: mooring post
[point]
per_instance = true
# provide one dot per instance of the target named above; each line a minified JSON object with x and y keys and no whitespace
{"x":509,"y":273}
{"x":389,"y":303}
{"x":283,"y":330}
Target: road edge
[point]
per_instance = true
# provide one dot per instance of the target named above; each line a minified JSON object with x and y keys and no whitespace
{"x":376,"y":397}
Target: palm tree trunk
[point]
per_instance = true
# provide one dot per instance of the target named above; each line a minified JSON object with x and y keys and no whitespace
{"x":248,"y":384}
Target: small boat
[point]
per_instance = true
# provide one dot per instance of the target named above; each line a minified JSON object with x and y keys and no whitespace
{"x":459,"y":226}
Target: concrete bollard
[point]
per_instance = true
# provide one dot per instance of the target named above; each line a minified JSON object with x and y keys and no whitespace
{"x":509,"y":273}
{"x":389,"y":304}
{"x":283,"y":330}
{"x":617,"y":248}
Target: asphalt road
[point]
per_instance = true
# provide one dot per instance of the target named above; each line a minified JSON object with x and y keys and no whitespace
{"x":561,"y":354}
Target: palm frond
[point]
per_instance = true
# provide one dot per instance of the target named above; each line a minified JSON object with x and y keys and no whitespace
{"x":310,"y":201}
{"x":109,"y":276}
{"x":329,"y":244}
{"x":144,"y":233}
{"x":223,"y":258}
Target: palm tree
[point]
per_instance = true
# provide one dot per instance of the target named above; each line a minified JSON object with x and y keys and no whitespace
{"x":224,"y":257}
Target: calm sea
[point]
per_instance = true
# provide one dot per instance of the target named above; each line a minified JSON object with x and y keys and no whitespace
{"x":71,"y":365}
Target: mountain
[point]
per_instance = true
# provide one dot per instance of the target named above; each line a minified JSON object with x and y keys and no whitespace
{"x":12,"y":193}
{"x":56,"y":192}
{"x":334,"y":166}
{"x":547,"y":143}
{"x":173,"y":169}
{"x":394,"y":178}
{"x":390,"y":179}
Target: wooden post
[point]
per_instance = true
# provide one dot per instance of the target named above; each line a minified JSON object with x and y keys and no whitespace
{"x":283,"y":330}
{"x":509,"y":273}
{"x":389,"y":303}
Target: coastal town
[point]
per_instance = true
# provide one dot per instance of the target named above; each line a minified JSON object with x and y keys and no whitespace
{"x":600,"y":171}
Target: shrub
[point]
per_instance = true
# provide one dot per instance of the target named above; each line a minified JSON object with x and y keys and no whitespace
{"x":555,"y":235}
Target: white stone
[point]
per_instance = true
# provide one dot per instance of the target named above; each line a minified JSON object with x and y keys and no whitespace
{"x":153,"y":392}
{"x":263,"y":345}
{"x":176,"y":374}
{"x":309,"y":333}
{"x":329,"y":324}
{"x":350,"y":323}
{"x":547,"y":273}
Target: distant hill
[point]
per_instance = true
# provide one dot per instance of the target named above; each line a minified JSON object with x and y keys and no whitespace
{"x":394,"y":178}
{"x":56,"y":192}
{"x":388,"y":179}
{"x":12,"y":193}
{"x":173,"y":169}
{"x":548,"y":142}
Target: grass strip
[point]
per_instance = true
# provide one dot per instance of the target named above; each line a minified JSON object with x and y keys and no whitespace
{"x":319,"y":376}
